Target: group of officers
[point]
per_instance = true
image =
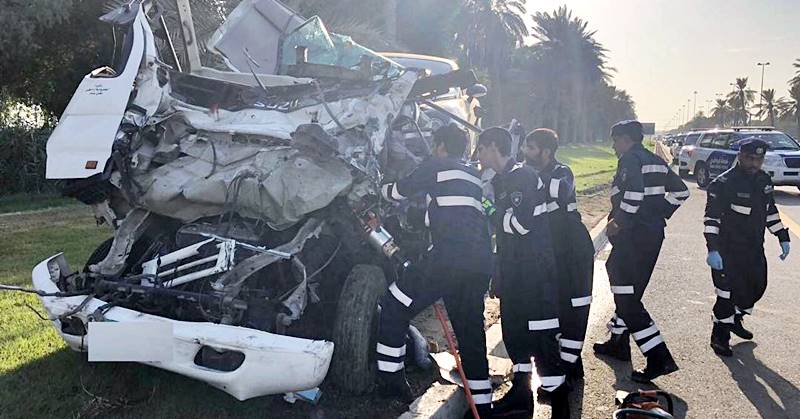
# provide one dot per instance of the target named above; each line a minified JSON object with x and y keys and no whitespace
{"x":543,"y":268}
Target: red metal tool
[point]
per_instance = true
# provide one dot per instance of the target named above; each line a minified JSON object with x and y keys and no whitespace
{"x":451,"y":343}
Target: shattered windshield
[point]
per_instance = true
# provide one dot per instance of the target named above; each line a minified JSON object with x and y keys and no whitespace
{"x":331,"y":49}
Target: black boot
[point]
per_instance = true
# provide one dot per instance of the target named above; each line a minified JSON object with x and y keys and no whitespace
{"x":395,"y":385}
{"x":519,"y":398}
{"x":659,"y":362}
{"x":618,"y":346}
{"x":485,"y":411}
{"x":559,"y":403}
{"x":738,"y":328}
{"x":720,"y":339}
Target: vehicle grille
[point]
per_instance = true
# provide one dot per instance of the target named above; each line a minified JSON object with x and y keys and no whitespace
{"x":793,"y":163}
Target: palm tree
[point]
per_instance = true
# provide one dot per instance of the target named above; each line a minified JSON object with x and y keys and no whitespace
{"x":719,"y":111}
{"x":488,"y":31}
{"x":770,"y":106}
{"x":740,"y":100}
{"x":796,"y":79}
{"x":572,"y":61}
{"x":792,"y":108}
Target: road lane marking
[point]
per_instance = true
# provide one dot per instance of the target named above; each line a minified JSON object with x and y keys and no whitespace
{"x":790,"y":223}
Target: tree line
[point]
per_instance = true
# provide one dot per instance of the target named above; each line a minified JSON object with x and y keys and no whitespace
{"x":744,"y":106}
{"x":48,"y":45}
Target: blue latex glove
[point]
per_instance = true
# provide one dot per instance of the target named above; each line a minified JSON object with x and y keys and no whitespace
{"x":714,"y":260}
{"x":785,"y":250}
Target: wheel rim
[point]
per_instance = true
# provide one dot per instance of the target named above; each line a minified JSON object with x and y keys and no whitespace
{"x":701,"y":175}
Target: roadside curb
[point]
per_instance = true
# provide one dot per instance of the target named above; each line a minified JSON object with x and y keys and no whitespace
{"x":447,"y":401}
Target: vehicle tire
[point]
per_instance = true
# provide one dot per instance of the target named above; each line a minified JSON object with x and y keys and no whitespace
{"x":683,"y":173}
{"x":701,"y":175}
{"x":353,"y":367}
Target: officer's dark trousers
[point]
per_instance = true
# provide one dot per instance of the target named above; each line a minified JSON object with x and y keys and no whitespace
{"x":463,"y":294}
{"x":529,"y":313}
{"x":575,"y":273}
{"x":630,"y":265}
{"x":741,"y":283}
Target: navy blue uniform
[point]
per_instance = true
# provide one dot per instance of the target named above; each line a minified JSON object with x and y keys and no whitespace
{"x":527,"y":270}
{"x":739,"y":208}
{"x":574,"y":256}
{"x":645,"y":192}
{"x":456,"y":268}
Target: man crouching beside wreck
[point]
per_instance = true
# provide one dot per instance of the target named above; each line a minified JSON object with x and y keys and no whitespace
{"x":456,"y":268}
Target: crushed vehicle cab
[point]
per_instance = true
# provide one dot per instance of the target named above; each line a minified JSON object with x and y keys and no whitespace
{"x":240,"y":172}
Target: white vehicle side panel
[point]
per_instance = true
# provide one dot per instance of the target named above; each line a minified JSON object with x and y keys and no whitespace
{"x":88,"y":127}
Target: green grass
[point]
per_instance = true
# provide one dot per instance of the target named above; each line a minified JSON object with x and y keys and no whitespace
{"x":27,"y":202}
{"x":593,"y":165}
{"x":41,"y":378}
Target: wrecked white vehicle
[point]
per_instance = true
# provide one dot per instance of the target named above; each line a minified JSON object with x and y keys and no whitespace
{"x":240,"y":172}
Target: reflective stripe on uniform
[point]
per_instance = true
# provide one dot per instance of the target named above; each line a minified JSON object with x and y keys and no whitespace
{"x":399,"y":295}
{"x":507,"y":223}
{"x":645,"y":333}
{"x":776,"y":228}
{"x":552,"y":382}
{"x":741,"y":209}
{"x":522,"y":368}
{"x":727,"y":320}
{"x":552,"y":206}
{"x":554,"y":188}
{"x":614,"y":190}
{"x":711,"y":230}
{"x":654,"y":168}
{"x":387,"y":366}
{"x":628,"y":208}
{"x":650,"y":344}
{"x":543,"y":324}
{"x":540,"y":209}
{"x":448,"y":175}
{"x":672,"y":200}
{"x":718,"y":220}
{"x":390,"y":351}
{"x":581,"y":301}
{"x":566,"y":356}
{"x":572,"y":206}
{"x":572,"y":344}
{"x":722,"y":293}
{"x":459,"y":201}
{"x":774,"y":217}
{"x":482,"y":398}
{"x":655,"y":190}
{"x":479,"y":384}
{"x":634,"y":196}
{"x":520,"y":229}
{"x":622,"y":289}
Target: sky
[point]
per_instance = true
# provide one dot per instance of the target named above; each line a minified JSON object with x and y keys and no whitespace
{"x":664,"y":50}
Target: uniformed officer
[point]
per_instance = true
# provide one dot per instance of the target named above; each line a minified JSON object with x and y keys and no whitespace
{"x":456,"y":268}
{"x":740,"y":206}
{"x":572,"y":245}
{"x":644,"y":193}
{"x":528,"y":290}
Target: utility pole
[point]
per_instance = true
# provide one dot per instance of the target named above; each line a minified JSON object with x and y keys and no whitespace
{"x":694,"y":110}
{"x":761,"y":92}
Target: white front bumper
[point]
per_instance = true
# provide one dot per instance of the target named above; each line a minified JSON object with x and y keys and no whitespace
{"x":273,"y":364}
{"x":784,"y":176}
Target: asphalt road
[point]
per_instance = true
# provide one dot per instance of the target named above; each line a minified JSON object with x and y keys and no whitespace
{"x":763,"y":376}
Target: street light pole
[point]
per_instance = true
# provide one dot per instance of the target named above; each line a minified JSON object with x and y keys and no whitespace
{"x":688,"y":118}
{"x":694,"y":110}
{"x":761,"y":92}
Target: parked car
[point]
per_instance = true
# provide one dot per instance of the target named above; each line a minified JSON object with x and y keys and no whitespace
{"x":675,"y":145}
{"x":684,"y":150}
{"x":716,"y":152}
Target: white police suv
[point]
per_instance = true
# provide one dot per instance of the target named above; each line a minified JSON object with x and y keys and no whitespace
{"x":715,"y":152}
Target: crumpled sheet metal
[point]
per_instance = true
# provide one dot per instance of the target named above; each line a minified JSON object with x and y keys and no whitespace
{"x":277,"y":183}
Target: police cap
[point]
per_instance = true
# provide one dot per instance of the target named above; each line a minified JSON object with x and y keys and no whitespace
{"x":631,"y":128}
{"x":753,"y":145}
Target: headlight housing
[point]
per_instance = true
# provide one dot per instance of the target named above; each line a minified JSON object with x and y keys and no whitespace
{"x":774,"y":160}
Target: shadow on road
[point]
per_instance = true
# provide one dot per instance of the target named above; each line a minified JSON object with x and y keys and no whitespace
{"x":757,"y":380}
